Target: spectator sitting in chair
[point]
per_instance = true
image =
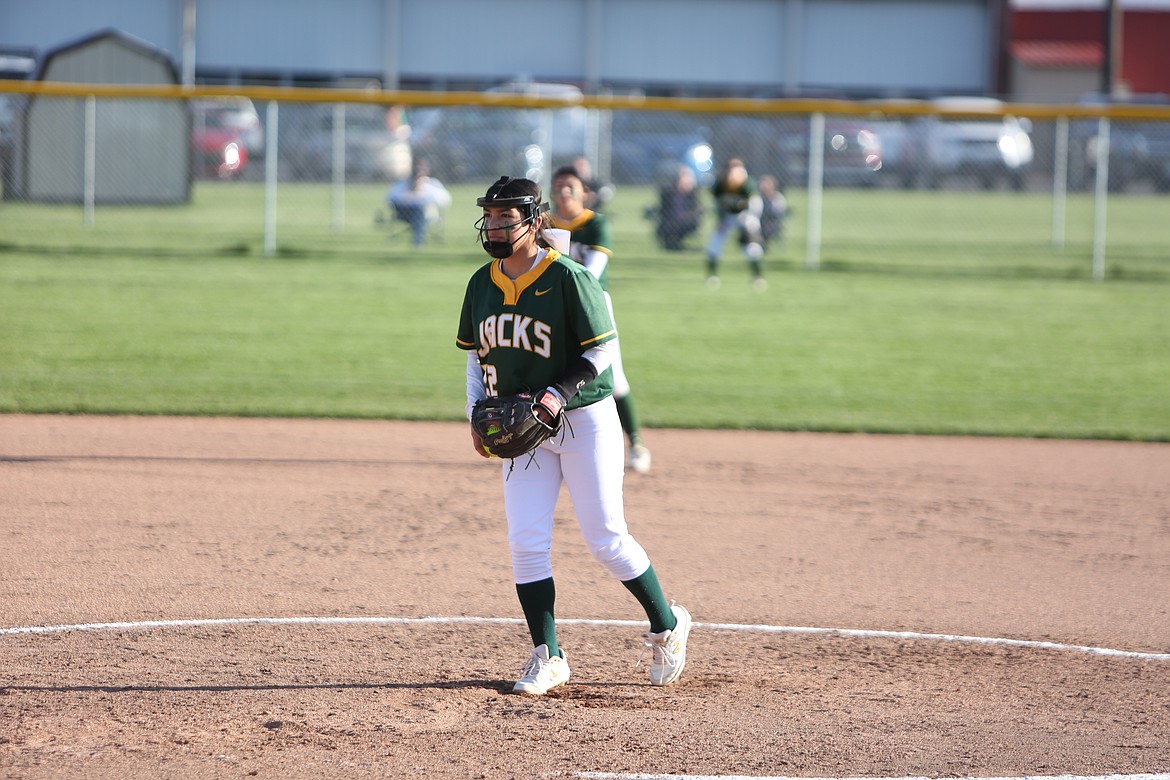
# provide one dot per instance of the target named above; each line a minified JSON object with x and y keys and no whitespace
{"x":419,"y":201}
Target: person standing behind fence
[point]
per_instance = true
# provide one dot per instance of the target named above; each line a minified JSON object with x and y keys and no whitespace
{"x":737,"y":205}
{"x":679,"y":209}
{"x":590,"y":246}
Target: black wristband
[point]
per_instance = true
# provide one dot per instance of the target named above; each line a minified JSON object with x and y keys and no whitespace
{"x":580,"y":373}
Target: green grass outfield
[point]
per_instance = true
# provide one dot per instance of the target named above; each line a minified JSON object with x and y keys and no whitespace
{"x":939,"y":313}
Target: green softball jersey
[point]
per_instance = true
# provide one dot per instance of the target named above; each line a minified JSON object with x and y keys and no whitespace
{"x":733,"y":201}
{"x":527,"y":331}
{"x":590,"y":229}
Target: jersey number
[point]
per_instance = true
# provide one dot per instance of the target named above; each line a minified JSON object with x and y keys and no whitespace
{"x":489,"y":378}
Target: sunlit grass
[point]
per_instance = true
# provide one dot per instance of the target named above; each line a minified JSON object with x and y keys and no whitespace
{"x":923,"y":318}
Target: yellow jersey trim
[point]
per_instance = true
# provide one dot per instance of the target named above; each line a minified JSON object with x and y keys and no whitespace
{"x":572,"y":226}
{"x":513,"y":288}
{"x":581,"y":219}
{"x":595,"y":339}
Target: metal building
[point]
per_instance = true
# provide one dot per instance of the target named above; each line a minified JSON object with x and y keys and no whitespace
{"x":108,"y":151}
{"x":768,"y":48}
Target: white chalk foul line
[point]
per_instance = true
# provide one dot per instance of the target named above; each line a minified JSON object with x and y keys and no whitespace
{"x":761,"y":629}
{"x":612,"y":775}
{"x":984,"y":640}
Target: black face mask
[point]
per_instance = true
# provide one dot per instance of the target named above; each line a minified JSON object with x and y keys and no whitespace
{"x":499,"y":249}
{"x":502,"y":249}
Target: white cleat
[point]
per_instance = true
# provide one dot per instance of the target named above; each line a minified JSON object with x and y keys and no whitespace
{"x":541,"y":674}
{"x":640,"y":458}
{"x":670,"y":649}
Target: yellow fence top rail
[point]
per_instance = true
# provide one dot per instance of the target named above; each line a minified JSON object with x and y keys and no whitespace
{"x":890,"y":108}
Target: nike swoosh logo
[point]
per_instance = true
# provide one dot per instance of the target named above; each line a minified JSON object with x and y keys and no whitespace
{"x":542,"y":292}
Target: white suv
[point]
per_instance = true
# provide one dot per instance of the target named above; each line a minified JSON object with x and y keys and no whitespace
{"x":987,"y":149}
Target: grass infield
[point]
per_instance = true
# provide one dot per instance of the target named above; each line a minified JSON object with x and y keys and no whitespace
{"x":938,"y":313}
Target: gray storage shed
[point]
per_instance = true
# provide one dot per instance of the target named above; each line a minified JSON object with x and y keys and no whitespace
{"x":140,"y":147}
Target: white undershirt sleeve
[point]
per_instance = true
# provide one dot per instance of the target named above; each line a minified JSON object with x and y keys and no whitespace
{"x":601,"y":356}
{"x":595,"y":261}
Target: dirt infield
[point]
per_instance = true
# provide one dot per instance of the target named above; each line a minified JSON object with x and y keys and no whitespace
{"x":174,"y":519}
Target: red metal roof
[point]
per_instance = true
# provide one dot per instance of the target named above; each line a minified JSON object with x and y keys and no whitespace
{"x":1058,"y":54}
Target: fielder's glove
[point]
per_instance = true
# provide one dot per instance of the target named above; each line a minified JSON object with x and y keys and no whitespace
{"x":730,"y":203}
{"x":514,"y":425}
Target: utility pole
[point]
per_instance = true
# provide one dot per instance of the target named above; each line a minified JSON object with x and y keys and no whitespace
{"x":1111,"y":67}
{"x":188,"y":44}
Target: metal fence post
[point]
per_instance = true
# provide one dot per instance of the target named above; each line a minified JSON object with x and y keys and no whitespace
{"x":89,"y":175}
{"x":1101,"y":198}
{"x":337,"y":193}
{"x":1059,"y":182}
{"x":270,"y":167}
{"x":816,"y":169}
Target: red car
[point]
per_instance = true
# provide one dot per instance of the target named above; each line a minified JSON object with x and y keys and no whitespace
{"x":220,"y":138}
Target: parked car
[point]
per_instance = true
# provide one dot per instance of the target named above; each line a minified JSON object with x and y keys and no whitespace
{"x":224,"y":135}
{"x":648,"y":146}
{"x":895,"y":132}
{"x":472,"y":143}
{"x":463,"y":144}
{"x":949,"y":148}
{"x":779,"y":145}
{"x":236,"y":113}
{"x":372,"y":152}
{"x":852,"y":153}
{"x":1139,"y":150}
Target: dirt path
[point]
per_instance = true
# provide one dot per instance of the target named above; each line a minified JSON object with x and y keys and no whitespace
{"x":171,"y":519}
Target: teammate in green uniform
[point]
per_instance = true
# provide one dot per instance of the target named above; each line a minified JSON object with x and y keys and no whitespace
{"x":534,"y":320}
{"x":737,"y":205}
{"x":591,"y":246}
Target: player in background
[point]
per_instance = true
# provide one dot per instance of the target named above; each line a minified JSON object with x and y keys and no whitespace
{"x":591,"y":241}
{"x":737,"y":205}
{"x":774,"y":209}
{"x":533,"y":320}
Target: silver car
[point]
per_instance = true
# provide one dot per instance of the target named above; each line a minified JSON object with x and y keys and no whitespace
{"x":954,"y":148}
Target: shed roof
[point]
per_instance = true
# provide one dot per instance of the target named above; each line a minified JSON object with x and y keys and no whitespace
{"x":123,"y":40}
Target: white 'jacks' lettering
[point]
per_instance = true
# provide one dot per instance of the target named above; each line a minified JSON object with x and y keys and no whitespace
{"x":514,"y":331}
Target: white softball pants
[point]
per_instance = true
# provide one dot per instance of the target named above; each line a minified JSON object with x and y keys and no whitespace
{"x":727,"y":224}
{"x":590,"y":458}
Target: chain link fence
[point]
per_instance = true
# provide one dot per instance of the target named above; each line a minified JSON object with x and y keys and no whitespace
{"x":117,"y":151}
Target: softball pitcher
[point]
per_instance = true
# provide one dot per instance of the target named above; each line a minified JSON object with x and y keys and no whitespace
{"x":590,"y":236}
{"x":532,"y":321}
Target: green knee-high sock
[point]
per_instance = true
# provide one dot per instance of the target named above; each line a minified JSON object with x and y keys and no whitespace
{"x":712,"y":266}
{"x":628,"y":414}
{"x":537,"y":600}
{"x":757,"y":269}
{"x":649,"y":594}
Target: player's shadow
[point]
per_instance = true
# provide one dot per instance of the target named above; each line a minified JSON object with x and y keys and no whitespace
{"x":496,"y":685}
{"x":499,"y":686}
